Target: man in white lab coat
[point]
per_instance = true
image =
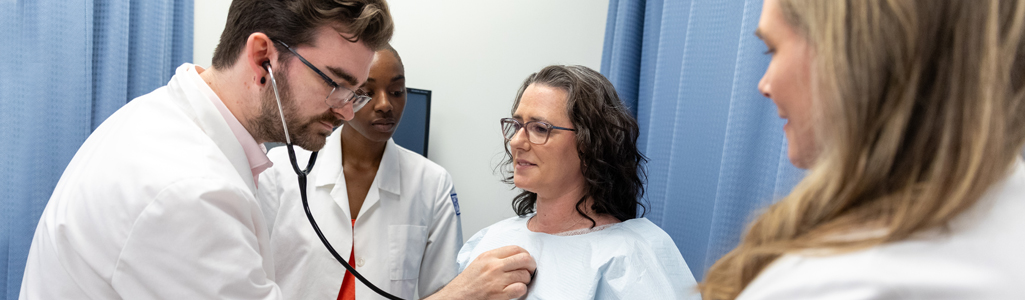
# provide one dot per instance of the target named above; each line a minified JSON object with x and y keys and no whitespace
{"x":402,"y":207}
{"x":159,"y":202}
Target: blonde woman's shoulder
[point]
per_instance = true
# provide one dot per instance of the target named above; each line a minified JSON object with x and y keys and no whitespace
{"x":979,"y":256}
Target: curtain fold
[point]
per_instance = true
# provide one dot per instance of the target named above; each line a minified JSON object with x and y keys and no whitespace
{"x":716,"y":146}
{"x":66,"y":66}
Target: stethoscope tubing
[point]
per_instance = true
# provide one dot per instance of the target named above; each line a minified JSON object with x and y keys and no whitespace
{"x":301,"y":174}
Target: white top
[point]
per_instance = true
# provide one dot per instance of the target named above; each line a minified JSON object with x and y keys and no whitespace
{"x":158,"y":203}
{"x":629,"y":260}
{"x":981,"y":256}
{"x":407,"y":232}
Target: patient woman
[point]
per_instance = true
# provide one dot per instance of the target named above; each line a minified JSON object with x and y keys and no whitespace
{"x":571,"y":146}
{"x":910,"y":118}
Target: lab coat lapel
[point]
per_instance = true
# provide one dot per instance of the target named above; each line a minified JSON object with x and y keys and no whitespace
{"x":390,"y":171}
{"x":203,"y":112}
{"x":387,"y":180}
{"x":329,"y":172}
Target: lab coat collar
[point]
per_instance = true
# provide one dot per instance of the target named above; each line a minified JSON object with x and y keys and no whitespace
{"x":389,"y":172}
{"x":329,"y":166}
{"x":210,"y":120}
{"x":329,"y":161}
{"x":256,"y":153}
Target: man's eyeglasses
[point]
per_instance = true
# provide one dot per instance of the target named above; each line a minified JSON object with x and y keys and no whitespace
{"x":339,"y":95}
{"x":537,"y":131}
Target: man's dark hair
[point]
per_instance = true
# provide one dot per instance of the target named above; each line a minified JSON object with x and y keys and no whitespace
{"x":295,"y":22}
{"x":606,"y":136}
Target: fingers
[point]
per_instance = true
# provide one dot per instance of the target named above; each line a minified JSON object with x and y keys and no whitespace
{"x":504,"y":252}
{"x":520,"y":261}
{"x":501,"y":273}
{"x":511,"y":258}
{"x":519,"y":276}
{"x":514,"y":290}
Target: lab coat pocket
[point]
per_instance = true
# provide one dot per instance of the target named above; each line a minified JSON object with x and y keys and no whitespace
{"x":405,"y":250}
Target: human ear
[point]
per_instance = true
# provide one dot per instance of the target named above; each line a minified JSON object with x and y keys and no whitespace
{"x":259,"y":51}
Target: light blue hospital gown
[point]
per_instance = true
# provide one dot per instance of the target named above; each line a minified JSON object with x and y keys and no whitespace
{"x":628,"y":260}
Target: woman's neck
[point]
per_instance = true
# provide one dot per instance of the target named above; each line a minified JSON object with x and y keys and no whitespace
{"x":559,"y":214}
{"x":357,"y":148}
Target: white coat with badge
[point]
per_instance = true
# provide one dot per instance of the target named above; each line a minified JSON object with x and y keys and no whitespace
{"x":407,"y":233}
{"x":158,"y":203}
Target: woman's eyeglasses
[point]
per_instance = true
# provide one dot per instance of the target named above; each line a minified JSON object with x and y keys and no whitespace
{"x":537,"y":131}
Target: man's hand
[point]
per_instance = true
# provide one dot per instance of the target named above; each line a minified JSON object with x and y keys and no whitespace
{"x":501,"y":273}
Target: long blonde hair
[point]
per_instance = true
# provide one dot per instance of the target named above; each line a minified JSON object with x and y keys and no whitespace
{"x":919,"y":107}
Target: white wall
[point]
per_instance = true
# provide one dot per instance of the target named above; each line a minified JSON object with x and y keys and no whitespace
{"x":208,"y":22}
{"x":473,"y":55}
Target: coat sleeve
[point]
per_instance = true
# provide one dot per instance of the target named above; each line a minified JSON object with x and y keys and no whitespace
{"x":198,"y":239}
{"x":809,"y":290}
{"x":795,"y":277}
{"x":444,"y":238}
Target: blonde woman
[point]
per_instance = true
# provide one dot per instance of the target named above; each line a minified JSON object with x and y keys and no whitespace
{"x":909,"y":116}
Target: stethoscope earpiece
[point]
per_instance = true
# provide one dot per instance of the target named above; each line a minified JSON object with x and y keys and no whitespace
{"x":266,"y":66}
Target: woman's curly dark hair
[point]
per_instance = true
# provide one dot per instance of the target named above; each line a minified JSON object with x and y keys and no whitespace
{"x":606,"y":139}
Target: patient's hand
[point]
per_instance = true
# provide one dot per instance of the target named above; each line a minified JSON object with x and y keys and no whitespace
{"x":501,"y":273}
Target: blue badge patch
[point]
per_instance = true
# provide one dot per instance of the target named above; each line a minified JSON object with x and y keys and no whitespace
{"x":455,"y":203}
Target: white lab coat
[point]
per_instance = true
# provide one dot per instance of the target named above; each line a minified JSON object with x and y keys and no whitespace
{"x":408,"y":230}
{"x":158,"y":203}
{"x":981,"y":256}
{"x":634,"y":259}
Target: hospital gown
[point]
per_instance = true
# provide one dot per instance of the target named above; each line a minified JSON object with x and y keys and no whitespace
{"x":629,"y":260}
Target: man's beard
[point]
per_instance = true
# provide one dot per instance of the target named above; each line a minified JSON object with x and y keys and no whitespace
{"x":268,"y":123}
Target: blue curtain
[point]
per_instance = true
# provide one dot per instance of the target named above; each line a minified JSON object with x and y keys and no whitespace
{"x":66,"y":66}
{"x":689,"y":69}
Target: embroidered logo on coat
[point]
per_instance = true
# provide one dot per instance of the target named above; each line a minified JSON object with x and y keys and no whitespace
{"x":455,"y":203}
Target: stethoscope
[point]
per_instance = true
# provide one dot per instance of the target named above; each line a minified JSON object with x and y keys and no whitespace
{"x":301,"y":174}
